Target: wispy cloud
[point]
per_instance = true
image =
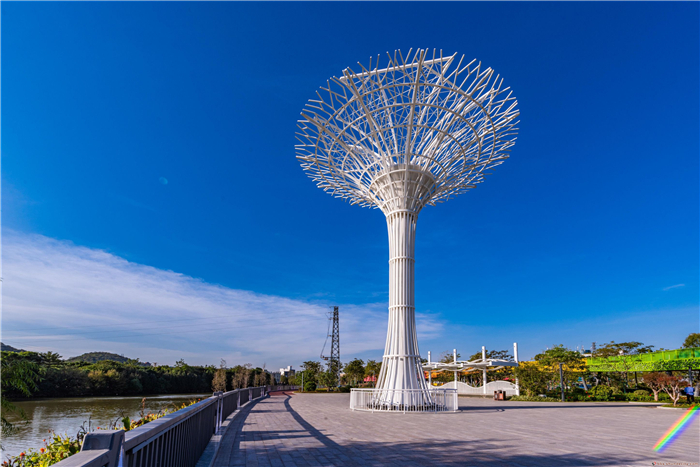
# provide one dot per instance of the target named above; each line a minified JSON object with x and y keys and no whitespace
{"x":71,"y":299}
{"x":673,"y":287}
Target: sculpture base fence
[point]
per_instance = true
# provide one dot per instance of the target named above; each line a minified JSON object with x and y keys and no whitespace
{"x":463,"y":388}
{"x":404,"y":400}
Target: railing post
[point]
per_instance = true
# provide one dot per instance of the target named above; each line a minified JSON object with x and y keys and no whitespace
{"x":113,"y":440}
{"x":220,"y":408}
{"x":216,"y":416}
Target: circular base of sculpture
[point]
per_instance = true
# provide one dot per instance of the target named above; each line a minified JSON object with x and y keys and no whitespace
{"x":404,"y":400}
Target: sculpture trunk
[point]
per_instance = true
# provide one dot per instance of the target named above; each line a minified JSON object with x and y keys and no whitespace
{"x":401,"y":367}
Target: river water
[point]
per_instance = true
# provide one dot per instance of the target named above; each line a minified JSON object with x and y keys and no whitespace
{"x":66,"y":416}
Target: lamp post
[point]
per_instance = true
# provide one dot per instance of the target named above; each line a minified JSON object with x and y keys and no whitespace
{"x":483,"y":371}
{"x":454,"y":359}
{"x":515,"y":357}
{"x":561,"y":381}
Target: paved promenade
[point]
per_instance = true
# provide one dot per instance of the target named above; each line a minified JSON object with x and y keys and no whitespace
{"x":320,"y":430}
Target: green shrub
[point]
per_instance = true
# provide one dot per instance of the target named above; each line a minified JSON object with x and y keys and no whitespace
{"x":601,"y":392}
{"x":345,"y":388}
{"x":640,"y":395}
{"x":534,"y":399}
{"x":532,"y":380}
{"x":639,"y":398}
{"x":310,"y":387}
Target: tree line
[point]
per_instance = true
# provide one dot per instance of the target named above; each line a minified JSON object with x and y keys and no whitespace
{"x":56,"y":377}
{"x":33,"y":374}
{"x":541,"y":376}
{"x":332,"y":376}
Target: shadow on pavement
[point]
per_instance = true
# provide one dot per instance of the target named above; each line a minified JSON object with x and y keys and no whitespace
{"x":327,"y":452}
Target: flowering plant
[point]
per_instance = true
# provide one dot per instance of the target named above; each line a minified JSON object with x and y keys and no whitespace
{"x":59,"y":447}
{"x":56,"y":448}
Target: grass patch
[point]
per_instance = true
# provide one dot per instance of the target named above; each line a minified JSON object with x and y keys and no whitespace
{"x":680,"y":405}
{"x":533,"y":399}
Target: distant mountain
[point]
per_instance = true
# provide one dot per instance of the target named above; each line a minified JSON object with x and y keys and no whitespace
{"x":94,"y":357}
{"x":9,"y":348}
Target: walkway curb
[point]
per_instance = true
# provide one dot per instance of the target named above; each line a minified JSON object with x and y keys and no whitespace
{"x":209,"y":455}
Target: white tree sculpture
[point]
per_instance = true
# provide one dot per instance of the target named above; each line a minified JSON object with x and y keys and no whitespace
{"x":418,"y":131}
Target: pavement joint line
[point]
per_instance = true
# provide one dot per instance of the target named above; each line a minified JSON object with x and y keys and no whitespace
{"x":304,"y":430}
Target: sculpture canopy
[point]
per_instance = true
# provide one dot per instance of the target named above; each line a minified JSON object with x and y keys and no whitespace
{"x":433,"y":114}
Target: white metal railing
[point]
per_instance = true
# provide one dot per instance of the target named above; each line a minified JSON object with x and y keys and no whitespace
{"x":463,"y":388}
{"x":404,"y":400}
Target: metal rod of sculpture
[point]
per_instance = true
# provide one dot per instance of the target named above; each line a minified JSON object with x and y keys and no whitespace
{"x":415,"y":132}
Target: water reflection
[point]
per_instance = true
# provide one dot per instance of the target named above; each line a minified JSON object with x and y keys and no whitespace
{"x":67,"y":415}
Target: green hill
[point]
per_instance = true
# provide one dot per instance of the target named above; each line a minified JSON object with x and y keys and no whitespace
{"x":9,"y":348}
{"x":94,"y":357}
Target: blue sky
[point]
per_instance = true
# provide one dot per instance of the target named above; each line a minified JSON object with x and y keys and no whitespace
{"x":148,"y":176}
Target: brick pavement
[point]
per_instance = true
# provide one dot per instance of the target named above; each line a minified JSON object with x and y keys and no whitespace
{"x":320,"y":430}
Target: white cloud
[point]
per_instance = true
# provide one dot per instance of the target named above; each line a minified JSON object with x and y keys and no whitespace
{"x":71,"y":299}
{"x":673,"y":287}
